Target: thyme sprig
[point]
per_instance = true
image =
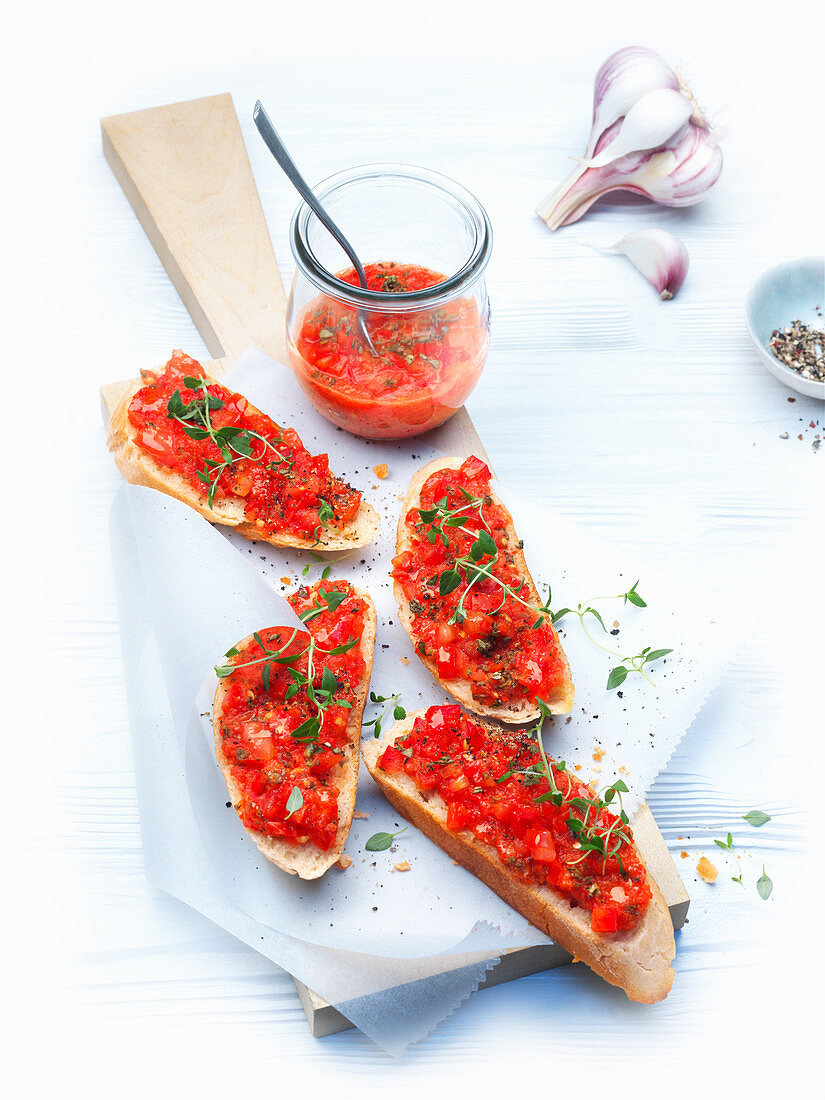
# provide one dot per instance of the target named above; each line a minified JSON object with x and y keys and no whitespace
{"x":322,"y":696}
{"x":234,"y":443}
{"x":393,"y":701}
{"x":590,"y":831}
{"x":629,"y":663}
{"x":471,"y":568}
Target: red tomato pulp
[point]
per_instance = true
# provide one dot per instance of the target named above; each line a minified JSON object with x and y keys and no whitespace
{"x":428,"y":361}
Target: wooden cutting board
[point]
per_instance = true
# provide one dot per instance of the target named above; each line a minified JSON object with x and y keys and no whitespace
{"x":185,"y":171}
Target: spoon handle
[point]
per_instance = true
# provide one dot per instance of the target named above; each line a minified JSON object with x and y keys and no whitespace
{"x":278,"y":150}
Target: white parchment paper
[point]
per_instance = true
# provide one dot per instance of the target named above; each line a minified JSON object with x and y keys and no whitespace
{"x":200,"y":590}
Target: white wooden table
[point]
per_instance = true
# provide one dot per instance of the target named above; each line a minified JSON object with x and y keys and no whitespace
{"x":653,"y":424}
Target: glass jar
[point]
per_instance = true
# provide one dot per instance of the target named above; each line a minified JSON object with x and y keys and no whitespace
{"x":424,"y":241}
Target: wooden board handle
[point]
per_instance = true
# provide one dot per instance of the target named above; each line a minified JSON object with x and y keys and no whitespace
{"x":185,"y":170}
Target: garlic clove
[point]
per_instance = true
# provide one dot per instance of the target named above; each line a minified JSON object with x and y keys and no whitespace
{"x":622,"y":80}
{"x":652,"y":120}
{"x":659,"y":256}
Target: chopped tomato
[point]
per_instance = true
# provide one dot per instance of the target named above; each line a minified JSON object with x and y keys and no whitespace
{"x":481,"y":632}
{"x":603,"y":919}
{"x":488,"y":781}
{"x":258,"y":723}
{"x":428,"y":359}
{"x":282,"y":486}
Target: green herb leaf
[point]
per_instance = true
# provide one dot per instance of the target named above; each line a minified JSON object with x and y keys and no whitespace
{"x":379,"y":842}
{"x":756,"y":818}
{"x":634,"y":597}
{"x":449,"y":580}
{"x":727,"y":844}
{"x":617,"y":676}
{"x":333,"y":598}
{"x":294,"y":802}
{"x":487,"y":543}
{"x":764,"y":885}
{"x":399,"y":713}
{"x":656,"y":654}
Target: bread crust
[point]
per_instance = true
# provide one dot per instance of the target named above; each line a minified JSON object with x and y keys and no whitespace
{"x":638,"y":961}
{"x":308,"y":861}
{"x":515,"y":713}
{"x":139,"y":468}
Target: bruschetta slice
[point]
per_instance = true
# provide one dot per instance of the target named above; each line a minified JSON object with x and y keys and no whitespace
{"x":287,"y":724}
{"x":552,"y":848}
{"x":467,"y":600}
{"x":186,"y":435}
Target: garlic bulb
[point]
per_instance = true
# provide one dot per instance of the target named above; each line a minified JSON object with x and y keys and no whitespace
{"x":661,"y":146}
{"x":621,"y":81}
{"x":678,"y":174}
{"x":651,"y":121}
{"x":661,"y":258}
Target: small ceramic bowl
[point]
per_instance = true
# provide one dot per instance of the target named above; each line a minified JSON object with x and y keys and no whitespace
{"x":786,"y":293}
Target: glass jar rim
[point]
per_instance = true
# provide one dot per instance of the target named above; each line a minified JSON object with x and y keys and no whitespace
{"x":390,"y":302}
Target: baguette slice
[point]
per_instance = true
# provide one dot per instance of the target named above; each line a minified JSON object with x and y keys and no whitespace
{"x":638,"y":961}
{"x":308,"y":861}
{"x":139,"y":468}
{"x":524,"y":711}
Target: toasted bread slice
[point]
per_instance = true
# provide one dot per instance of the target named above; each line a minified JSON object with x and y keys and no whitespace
{"x":140,"y":468}
{"x":638,"y":961}
{"x":308,"y":861}
{"x":523,"y":711}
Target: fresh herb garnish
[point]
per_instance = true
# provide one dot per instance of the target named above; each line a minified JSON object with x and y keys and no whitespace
{"x":379,"y":842}
{"x":726,"y":844}
{"x":756,"y":817}
{"x":764,"y":885}
{"x":294,"y":802}
{"x":322,"y":696}
{"x":635,"y":663}
{"x":233,"y":443}
{"x":471,"y":568}
{"x":398,"y":711}
{"x":591,"y":832}
{"x":478,"y":564}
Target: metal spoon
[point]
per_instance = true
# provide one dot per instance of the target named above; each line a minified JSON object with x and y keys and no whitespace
{"x":278,"y":150}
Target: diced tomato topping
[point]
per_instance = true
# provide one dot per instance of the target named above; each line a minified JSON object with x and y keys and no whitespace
{"x":488,"y":781}
{"x":478,"y":631}
{"x":266,"y":760}
{"x":603,"y":919}
{"x":391,"y":760}
{"x":283,"y":487}
{"x":428,"y":359}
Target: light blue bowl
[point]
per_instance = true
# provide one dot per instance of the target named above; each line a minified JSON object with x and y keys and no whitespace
{"x":786,"y":293}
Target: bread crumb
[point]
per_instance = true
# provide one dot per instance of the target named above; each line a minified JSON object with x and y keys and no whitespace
{"x":615,"y":623}
{"x":286,"y":580}
{"x":381,"y":470}
{"x":404,"y":660}
{"x":597,"y":767}
{"x":454,"y":862}
{"x":360,"y":815}
{"x":684,"y":855}
{"x":344,"y":862}
{"x":598,"y":755}
{"x":577,"y":767}
{"x":402,"y":866}
{"x":706,"y":870}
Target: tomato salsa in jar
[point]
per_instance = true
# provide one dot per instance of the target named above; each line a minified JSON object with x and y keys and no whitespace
{"x":425,"y":243}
